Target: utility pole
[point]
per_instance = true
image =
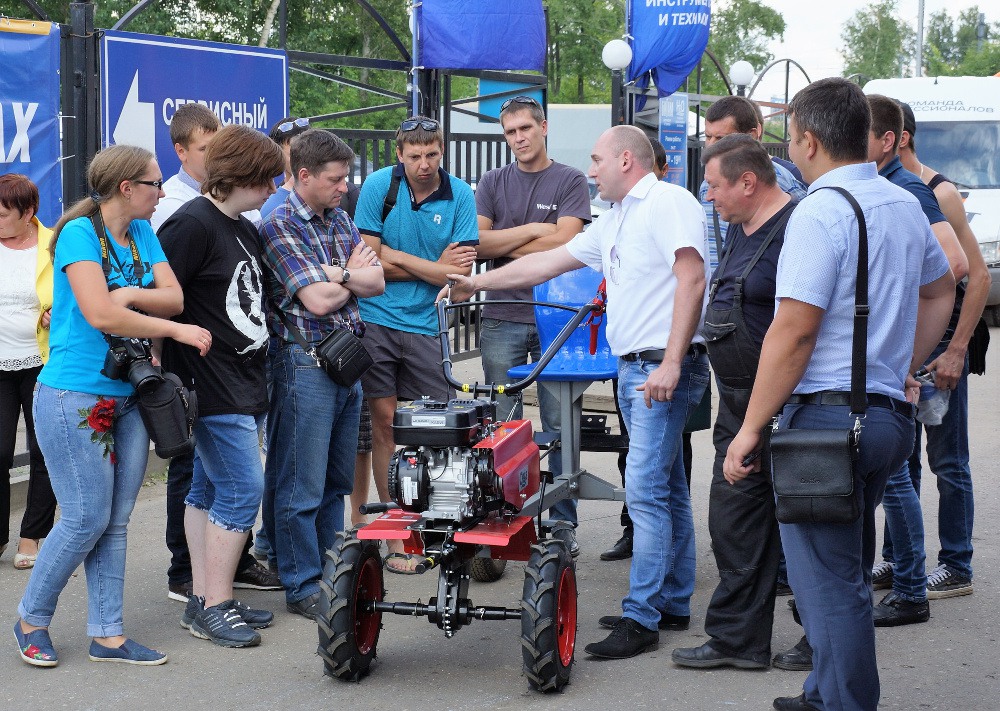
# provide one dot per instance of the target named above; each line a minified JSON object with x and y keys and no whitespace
{"x":920,"y":39}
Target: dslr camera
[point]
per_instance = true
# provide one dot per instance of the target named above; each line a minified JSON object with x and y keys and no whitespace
{"x":130,"y":359}
{"x":168,"y":409}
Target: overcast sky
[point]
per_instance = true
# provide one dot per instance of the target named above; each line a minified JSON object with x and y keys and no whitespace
{"x":812,"y":36}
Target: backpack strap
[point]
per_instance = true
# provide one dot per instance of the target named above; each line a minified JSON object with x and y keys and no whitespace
{"x":390,"y":196}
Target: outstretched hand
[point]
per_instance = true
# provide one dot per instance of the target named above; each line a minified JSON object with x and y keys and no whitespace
{"x":458,"y":288}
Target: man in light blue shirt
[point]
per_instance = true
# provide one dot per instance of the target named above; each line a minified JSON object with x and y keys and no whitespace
{"x":805,"y":372}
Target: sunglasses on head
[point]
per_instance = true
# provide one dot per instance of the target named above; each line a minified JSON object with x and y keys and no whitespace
{"x":518,"y":100}
{"x":412,"y":124}
{"x":289,"y":125}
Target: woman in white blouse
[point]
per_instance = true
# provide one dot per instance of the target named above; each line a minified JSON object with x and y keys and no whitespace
{"x":25,"y":304}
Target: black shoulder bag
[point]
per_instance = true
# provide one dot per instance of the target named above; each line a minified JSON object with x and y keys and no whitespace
{"x":814,"y":470}
{"x":168,"y":409}
{"x":341,"y":355}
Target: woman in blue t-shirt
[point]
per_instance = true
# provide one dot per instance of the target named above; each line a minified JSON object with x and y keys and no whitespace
{"x":89,"y":426}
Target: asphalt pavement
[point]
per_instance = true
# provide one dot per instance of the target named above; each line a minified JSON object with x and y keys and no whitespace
{"x":949,"y":662}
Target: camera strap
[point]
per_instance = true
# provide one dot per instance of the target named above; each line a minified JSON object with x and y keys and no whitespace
{"x":107,"y":253}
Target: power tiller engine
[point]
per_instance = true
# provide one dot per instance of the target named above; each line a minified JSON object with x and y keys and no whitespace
{"x":441,"y":473}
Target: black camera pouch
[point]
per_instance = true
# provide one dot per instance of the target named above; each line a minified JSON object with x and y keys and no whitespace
{"x":169,"y":411}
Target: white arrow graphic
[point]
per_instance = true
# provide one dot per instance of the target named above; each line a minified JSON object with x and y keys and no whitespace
{"x":137,"y":123}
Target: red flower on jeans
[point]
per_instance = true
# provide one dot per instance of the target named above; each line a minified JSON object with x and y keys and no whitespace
{"x":101,"y":418}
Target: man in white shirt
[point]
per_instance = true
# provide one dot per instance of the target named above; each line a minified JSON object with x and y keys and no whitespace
{"x":651,"y":246}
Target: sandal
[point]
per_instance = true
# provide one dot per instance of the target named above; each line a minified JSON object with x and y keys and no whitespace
{"x":35,"y":647}
{"x":406,"y":559}
{"x":26,"y":561}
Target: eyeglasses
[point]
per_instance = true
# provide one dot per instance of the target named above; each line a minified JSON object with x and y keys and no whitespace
{"x":289,"y":125}
{"x":155,"y":183}
{"x":412,"y":124}
{"x":518,"y":100}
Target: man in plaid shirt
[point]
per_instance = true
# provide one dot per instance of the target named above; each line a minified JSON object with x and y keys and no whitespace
{"x":316,"y":268}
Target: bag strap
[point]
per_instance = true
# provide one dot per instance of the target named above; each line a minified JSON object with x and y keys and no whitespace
{"x":390,"y":197}
{"x":296,"y":333}
{"x":778,"y":226}
{"x":97,"y":220}
{"x":859,"y":346}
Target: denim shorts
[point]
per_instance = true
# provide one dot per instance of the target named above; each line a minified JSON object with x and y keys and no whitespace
{"x":228,"y":478}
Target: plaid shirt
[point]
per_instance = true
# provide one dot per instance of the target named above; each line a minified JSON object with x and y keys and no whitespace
{"x":296,"y":241}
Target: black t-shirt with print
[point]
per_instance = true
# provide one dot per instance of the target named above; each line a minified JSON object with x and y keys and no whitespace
{"x":217,"y":262}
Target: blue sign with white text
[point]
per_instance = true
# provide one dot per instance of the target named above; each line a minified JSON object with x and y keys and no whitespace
{"x":673,"y":136}
{"x":668,"y":37}
{"x":146,"y":78}
{"x":29,"y":109}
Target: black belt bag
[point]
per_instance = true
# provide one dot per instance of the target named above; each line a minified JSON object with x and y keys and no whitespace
{"x":813,"y":471}
{"x":341,"y":355}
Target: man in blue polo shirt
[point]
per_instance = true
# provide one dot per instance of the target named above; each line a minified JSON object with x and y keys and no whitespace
{"x":907,"y":603}
{"x":422,"y":223}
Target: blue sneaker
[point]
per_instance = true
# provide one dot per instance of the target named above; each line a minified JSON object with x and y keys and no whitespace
{"x":195,"y":604}
{"x":255,"y":619}
{"x":224,"y":626}
{"x":35,"y":647}
{"x":129,"y":653}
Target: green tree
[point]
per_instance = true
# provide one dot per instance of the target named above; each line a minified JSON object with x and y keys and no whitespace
{"x":577,"y":34}
{"x":952,"y":47}
{"x":877,"y":42}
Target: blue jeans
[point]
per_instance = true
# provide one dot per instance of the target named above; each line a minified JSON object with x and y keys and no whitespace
{"x":661,"y":578}
{"x":96,"y":498}
{"x":948,"y":457}
{"x":904,"y":522}
{"x":503,"y":345}
{"x":228,"y":480}
{"x":830,"y":565}
{"x":312,"y":431}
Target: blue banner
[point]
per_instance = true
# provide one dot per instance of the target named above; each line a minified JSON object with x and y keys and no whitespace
{"x":668,"y":37}
{"x":485,"y":34}
{"x":146,"y":78}
{"x":29,"y":109}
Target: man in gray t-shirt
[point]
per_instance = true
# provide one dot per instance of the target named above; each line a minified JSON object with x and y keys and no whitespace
{"x":529,"y":206}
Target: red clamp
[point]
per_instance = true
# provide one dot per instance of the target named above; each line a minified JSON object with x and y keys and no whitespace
{"x":597,"y":315}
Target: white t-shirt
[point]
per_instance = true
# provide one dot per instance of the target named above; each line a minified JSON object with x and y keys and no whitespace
{"x":634,"y":245}
{"x":18,"y":309}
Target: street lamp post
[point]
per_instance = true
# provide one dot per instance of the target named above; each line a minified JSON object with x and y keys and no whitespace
{"x":741,"y":74}
{"x":617,"y":55}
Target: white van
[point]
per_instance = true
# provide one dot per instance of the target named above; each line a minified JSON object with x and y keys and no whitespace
{"x":958,"y":134}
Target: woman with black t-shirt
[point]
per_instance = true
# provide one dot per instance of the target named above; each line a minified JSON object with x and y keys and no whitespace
{"x":215,"y":254}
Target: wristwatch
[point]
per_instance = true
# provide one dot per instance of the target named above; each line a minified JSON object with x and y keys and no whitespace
{"x":345,"y":276}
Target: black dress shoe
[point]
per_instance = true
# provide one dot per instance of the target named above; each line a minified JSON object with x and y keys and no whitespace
{"x":307,"y":606}
{"x":793,"y":703}
{"x":627,"y":639}
{"x":894,"y":611}
{"x":798,"y":658}
{"x":621,"y":550}
{"x":677,"y":623}
{"x":707,"y":657}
